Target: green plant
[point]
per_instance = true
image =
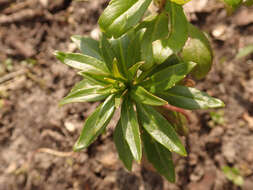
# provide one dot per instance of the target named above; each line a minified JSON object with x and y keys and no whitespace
{"x":233,"y":174}
{"x":232,"y":5}
{"x":142,"y":67}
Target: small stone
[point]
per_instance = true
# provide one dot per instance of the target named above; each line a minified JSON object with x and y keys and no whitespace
{"x":228,"y":150}
{"x":109,"y":160}
{"x":70,"y":126}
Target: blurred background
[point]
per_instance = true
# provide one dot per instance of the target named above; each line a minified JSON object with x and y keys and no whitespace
{"x":36,"y":135}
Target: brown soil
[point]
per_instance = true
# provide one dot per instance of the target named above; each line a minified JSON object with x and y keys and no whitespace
{"x":36,"y":135}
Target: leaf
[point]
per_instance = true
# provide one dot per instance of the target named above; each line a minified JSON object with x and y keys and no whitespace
{"x":83,"y":62}
{"x":120,"y":47}
{"x":141,"y":95}
{"x":159,"y":157}
{"x":115,"y":70}
{"x":178,"y":30}
{"x":160,"y":129}
{"x":134,"y":69}
{"x":233,"y":175}
{"x":198,"y":50}
{"x":134,"y":48}
{"x":95,"y":79}
{"x":168,"y":77}
{"x":156,"y":29}
{"x":130,"y":129}
{"x":122,"y":15}
{"x":88,"y":46}
{"x":83,"y":84}
{"x":107,"y":51}
{"x":122,"y":147}
{"x":178,"y":120}
{"x":243,"y":52}
{"x":232,"y":5}
{"x":95,"y":124}
{"x":172,"y":60}
{"x":87,"y":94}
{"x":180,"y":2}
{"x":190,"y":98}
{"x":161,"y":51}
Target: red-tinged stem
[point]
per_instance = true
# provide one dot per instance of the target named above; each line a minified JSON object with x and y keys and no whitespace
{"x":177,"y":109}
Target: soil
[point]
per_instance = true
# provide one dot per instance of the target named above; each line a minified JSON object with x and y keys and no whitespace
{"x":36,"y":135}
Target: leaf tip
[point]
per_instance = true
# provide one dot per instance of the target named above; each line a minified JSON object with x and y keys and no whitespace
{"x":78,"y":147}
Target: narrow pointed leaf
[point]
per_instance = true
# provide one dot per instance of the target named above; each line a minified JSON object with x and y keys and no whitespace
{"x":82,"y":84}
{"x":141,"y":95}
{"x":124,"y":152}
{"x":159,"y":157}
{"x":190,"y":98}
{"x":122,"y":15}
{"x":95,"y":124}
{"x":89,"y":94}
{"x":178,"y":27}
{"x":134,"y":69}
{"x":107,"y":51}
{"x":88,"y":46}
{"x":115,"y":70}
{"x":157,"y":29}
{"x":198,"y":50}
{"x":168,"y":77}
{"x":96,"y":79}
{"x":130,"y":129}
{"x":83,"y":62}
{"x":160,"y":129}
{"x":134,"y":48}
{"x":120,"y":46}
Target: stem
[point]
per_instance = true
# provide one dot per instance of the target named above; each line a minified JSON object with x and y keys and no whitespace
{"x":177,"y":109}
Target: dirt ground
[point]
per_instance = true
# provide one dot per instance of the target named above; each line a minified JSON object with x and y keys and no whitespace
{"x":36,"y":135}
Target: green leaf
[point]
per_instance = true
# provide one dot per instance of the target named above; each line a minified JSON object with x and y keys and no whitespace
{"x":243,"y":52}
{"x":115,"y":70}
{"x":178,"y":26}
{"x":160,"y":129}
{"x":156,"y":29}
{"x":190,"y":98}
{"x":95,"y":124}
{"x":120,"y":47}
{"x":179,"y":121}
{"x":107,"y":51}
{"x":141,"y":95}
{"x":85,"y":83}
{"x":159,"y":157}
{"x":134,"y":69}
{"x":95,"y":79}
{"x":161,"y":51}
{"x":232,"y":5}
{"x":180,"y":2}
{"x":122,"y":147}
{"x":233,"y":175}
{"x":198,"y":50}
{"x":172,"y":60}
{"x":122,"y":15}
{"x":83,"y":62}
{"x":88,"y":46}
{"x":134,"y":48}
{"x":130,"y":129}
{"x":168,"y":77}
{"x":86,"y":94}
